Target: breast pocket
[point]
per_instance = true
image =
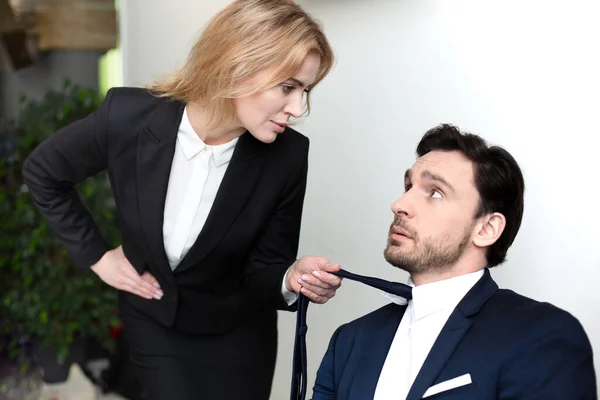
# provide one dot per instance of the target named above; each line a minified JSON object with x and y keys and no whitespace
{"x":461,"y":387}
{"x":460,"y":393}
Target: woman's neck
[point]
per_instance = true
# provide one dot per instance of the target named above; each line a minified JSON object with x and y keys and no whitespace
{"x":199,"y":120}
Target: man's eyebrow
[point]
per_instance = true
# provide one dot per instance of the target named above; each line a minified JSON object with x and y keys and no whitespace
{"x":429,"y":175}
{"x":437,"y":178}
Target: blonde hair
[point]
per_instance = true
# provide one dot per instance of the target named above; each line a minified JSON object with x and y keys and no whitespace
{"x":246,"y":37}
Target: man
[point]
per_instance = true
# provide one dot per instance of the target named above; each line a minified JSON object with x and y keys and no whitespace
{"x":459,"y":337}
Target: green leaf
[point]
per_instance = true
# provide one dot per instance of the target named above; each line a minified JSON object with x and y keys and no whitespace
{"x":44,"y":317}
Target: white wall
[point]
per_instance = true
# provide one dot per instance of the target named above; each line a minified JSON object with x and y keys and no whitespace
{"x":523,"y":74}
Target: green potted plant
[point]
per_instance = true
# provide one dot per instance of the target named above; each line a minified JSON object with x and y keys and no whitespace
{"x":58,"y":306}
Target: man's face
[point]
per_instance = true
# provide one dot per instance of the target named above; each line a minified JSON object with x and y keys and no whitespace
{"x":434,"y":219}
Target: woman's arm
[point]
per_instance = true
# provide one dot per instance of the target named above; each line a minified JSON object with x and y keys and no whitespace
{"x":275,"y":252}
{"x":51,"y":171}
{"x":277,"y":247}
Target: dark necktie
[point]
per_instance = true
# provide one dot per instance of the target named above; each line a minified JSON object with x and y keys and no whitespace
{"x":299,"y":372}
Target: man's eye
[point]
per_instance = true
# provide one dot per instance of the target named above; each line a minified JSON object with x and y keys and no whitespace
{"x":436,"y":194}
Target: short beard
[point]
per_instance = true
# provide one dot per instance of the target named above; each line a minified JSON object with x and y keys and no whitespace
{"x":432,"y":254}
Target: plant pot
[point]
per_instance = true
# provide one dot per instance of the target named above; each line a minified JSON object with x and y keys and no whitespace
{"x":47,"y":359}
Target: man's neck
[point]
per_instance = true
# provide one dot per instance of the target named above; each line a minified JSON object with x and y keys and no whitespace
{"x":440,"y":274}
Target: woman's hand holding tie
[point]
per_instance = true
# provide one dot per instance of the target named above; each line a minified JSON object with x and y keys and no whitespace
{"x":310,"y":276}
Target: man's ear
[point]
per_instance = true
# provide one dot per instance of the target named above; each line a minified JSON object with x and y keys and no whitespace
{"x":488,"y":229}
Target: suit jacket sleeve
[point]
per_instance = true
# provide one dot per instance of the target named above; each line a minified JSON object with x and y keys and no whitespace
{"x":51,"y":171}
{"x":277,"y":247}
{"x":554,"y":364}
{"x":325,"y":387}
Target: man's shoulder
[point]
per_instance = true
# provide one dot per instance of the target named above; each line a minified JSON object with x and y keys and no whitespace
{"x":372,"y":321}
{"x":509,"y":302}
{"x":525,"y":315}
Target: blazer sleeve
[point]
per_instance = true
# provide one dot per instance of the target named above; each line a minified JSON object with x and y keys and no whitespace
{"x":554,"y":364}
{"x":325,"y":387}
{"x":51,"y":171}
{"x":276,"y":248}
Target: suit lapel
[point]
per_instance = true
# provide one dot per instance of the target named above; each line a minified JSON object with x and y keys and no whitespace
{"x":377,"y":345}
{"x":156,"y":148}
{"x":449,"y":337}
{"x":238,"y":183}
{"x":457,"y":326}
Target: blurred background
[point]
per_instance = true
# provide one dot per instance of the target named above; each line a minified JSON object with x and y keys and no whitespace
{"x":58,"y":326}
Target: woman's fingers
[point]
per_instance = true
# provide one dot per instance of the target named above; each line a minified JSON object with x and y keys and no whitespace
{"x":147,"y":276}
{"x":150,"y":280}
{"x":139,"y":285}
{"x":114,"y":269}
{"x":135,"y":290}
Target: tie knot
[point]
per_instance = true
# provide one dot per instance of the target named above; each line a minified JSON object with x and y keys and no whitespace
{"x":399,"y":289}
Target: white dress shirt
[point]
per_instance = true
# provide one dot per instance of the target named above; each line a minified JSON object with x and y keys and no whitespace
{"x":196,"y":174}
{"x":425,"y":316}
{"x":197,"y":171}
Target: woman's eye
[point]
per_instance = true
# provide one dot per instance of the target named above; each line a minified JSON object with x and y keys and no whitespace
{"x":287,"y":88}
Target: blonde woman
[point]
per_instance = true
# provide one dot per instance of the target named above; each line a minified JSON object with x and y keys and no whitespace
{"x":209,"y":182}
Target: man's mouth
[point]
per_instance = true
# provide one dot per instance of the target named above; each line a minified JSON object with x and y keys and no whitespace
{"x":398,"y":231}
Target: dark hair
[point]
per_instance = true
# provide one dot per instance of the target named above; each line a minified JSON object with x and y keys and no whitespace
{"x":498,"y":180}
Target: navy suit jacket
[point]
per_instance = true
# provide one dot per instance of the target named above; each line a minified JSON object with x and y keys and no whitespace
{"x":513,"y":348}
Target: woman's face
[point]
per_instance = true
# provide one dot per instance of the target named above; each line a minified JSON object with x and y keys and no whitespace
{"x":265,"y":114}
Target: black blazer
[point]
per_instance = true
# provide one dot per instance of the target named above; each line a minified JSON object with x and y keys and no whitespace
{"x":250,"y":238}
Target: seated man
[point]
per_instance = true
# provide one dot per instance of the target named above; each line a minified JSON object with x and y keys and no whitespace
{"x":459,"y":337}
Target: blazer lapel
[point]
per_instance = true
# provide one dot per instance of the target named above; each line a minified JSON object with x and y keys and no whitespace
{"x":458,"y":324}
{"x":156,"y":148}
{"x":369,"y":365}
{"x":238,"y":183}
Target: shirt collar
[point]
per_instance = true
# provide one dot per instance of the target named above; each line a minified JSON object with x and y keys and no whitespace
{"x":191,"y":144}
{"x":441,"y":295}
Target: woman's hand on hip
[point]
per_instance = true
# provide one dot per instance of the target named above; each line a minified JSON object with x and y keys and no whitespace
{"x":114,"y":269}
{"x":310,"y":276}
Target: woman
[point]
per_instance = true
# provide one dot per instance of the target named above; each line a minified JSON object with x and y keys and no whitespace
{"x":209,"y":183}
